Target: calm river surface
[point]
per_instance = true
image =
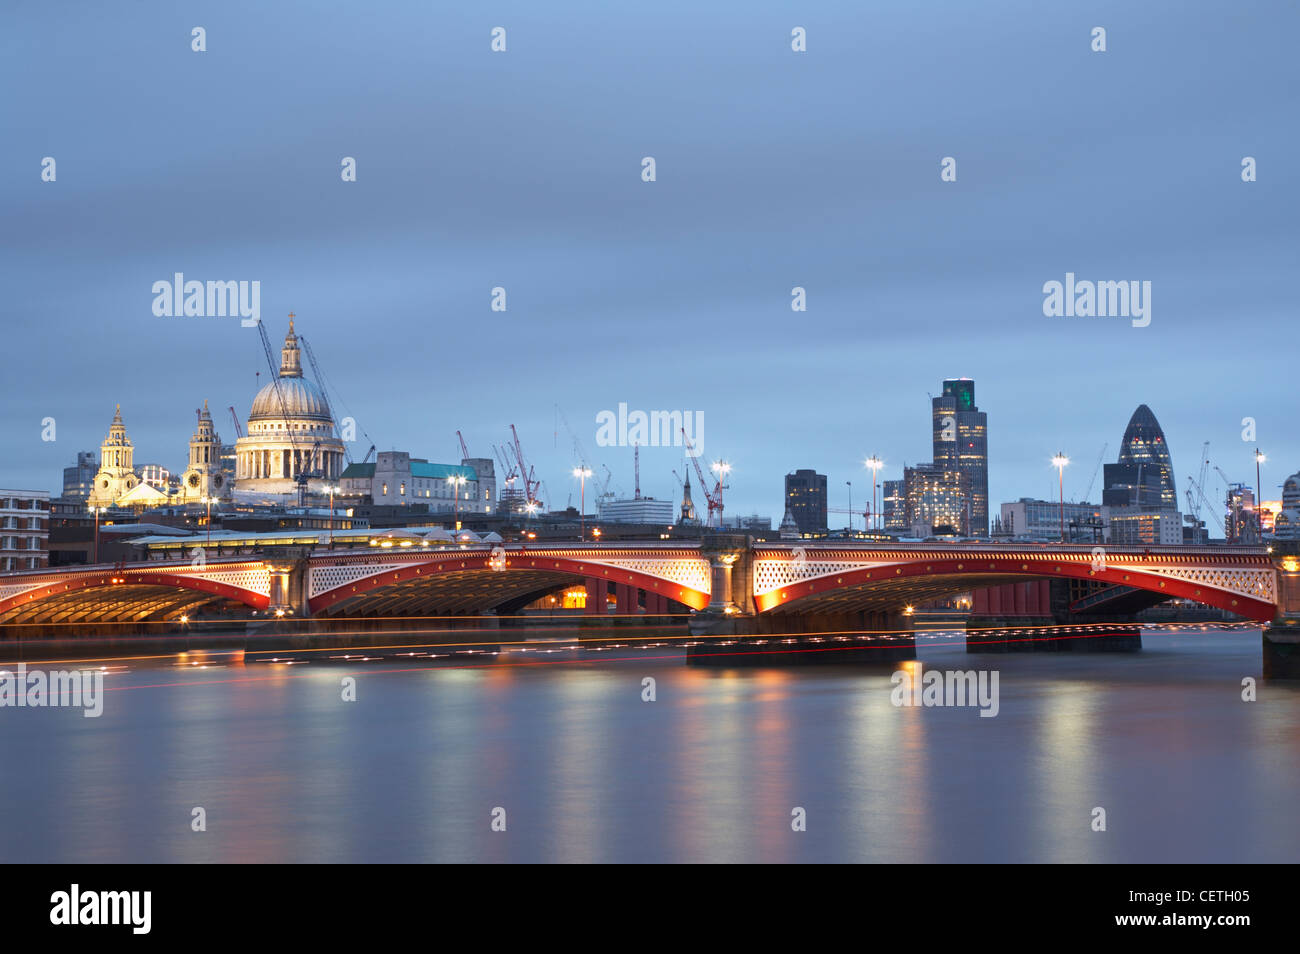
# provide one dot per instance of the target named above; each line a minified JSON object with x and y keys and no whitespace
{"x":586,"y":771}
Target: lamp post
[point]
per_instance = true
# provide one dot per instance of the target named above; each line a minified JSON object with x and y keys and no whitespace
{"x":1259,"y":492}
{"x":96,"y":511}
{"x":722,"y":469}
{"x":457,"y":482}
{"x":332,"y":489}
{"x":1060,"y":460}
{"x":207,"y":544}
{"x":874,"y":463}
{"x":582,"y":473}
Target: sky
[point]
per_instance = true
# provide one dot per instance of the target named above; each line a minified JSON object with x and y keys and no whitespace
{"x":522,"y":169}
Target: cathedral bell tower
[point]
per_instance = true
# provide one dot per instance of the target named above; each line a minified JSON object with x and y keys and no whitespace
{"x":116,"y":475}
{"x":203,"y":476}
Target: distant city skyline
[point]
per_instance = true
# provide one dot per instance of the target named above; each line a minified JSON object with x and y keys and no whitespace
{"x":680,"y":462}
{"x":775,"y":170}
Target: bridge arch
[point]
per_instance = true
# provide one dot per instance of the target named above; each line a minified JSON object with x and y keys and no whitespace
{"x":136,"y":592}
{"x":473,"y":580}
{"x":787,"y":580}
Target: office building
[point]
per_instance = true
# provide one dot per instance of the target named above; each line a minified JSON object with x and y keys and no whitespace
{"x":1141,"y":526}
{"x":1041,"y":520}
{"x":80,"y":477}
{"x":24,"y":529}
{"x":636,"y":510}
{"x":894,"y":506}
{"x":960,"y":440}
{"x":938,"y":501}
{"x":805,"y":499}
{"x":398,"y":478}
{"x":1144,"y":447}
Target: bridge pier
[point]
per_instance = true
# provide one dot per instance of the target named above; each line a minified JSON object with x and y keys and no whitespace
{"x":289,"y":583}
{"x":999,"y":612}
{"x":1281,"y":638}
{"x":731,"y":606}
{"x":734,"y":634}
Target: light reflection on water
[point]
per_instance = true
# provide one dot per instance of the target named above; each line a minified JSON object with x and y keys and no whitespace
{"x":587,"y":771}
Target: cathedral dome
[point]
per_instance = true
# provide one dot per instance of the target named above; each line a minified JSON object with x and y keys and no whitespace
{"x":302,"y":399}
{"x":290,"y":439}
{"x":290,"y":396}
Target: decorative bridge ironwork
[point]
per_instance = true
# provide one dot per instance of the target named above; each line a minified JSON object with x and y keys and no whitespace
{"x":725,"y":574}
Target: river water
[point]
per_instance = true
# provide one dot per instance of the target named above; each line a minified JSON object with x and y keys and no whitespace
{"x":711,"y":771}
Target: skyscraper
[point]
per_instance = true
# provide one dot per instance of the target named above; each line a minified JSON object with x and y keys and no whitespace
{"x":960,"y":437}
{"x":895,"y":505}
{"x":1144,"y":447}
{"x":1138,"y":493}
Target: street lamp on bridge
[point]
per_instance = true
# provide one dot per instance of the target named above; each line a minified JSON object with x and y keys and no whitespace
{"x":96,"y":511}
{"x":457,"y":482}
{"x":582,"y":473}
{"x":874,"y":463}
{"x":1259,"y":492}
{"x":1059,"y":461}
{"x":332,"y":490}
{"x":207,"y":543}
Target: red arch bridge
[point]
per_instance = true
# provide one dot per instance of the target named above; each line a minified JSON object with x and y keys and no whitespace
{"x":730,"y":584}
{"x":723,"y":575}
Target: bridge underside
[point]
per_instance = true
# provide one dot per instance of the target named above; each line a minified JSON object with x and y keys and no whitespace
{"x":455,"y":593}
{"x":110,"y":604}
{"x":830,"y":597}
{"x":888,"y":595}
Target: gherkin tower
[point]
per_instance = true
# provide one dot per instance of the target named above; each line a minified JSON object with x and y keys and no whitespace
{"x":1144,"y":445}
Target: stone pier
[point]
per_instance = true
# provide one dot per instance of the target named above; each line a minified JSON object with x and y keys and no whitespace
{"x":1001,"y":613}
{"x":732,"y":633}
{"x":1281,"y":638}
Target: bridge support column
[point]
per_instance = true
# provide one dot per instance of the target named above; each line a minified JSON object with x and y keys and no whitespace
{"x":595,"y":588}
{"x":731,"y":600}
{"x":289,"y":584}
{"x":626,"y":594}
{"x":1281,"y":638}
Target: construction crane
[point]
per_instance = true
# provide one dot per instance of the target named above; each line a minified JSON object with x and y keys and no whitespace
{"x":235,"y":417}
{"x":509,"y":498}
{"x":636,"y":470}
{"x":464,"y":451}
{"x":713,"y":497}
{"x":1202,"y":501}
{"x":604,"y":493}
{"x":531,"y":484}
{"x":315,"y":370}
{"x":324,"y":390}
{"x":1194,"y":503}
{"x":578,"y":450}
{"x":275,"y":382}
{"x":307,"y":471}
{"x":1087,"y":493}
{"x":507,"y":468}
{"x":865,"y":513}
